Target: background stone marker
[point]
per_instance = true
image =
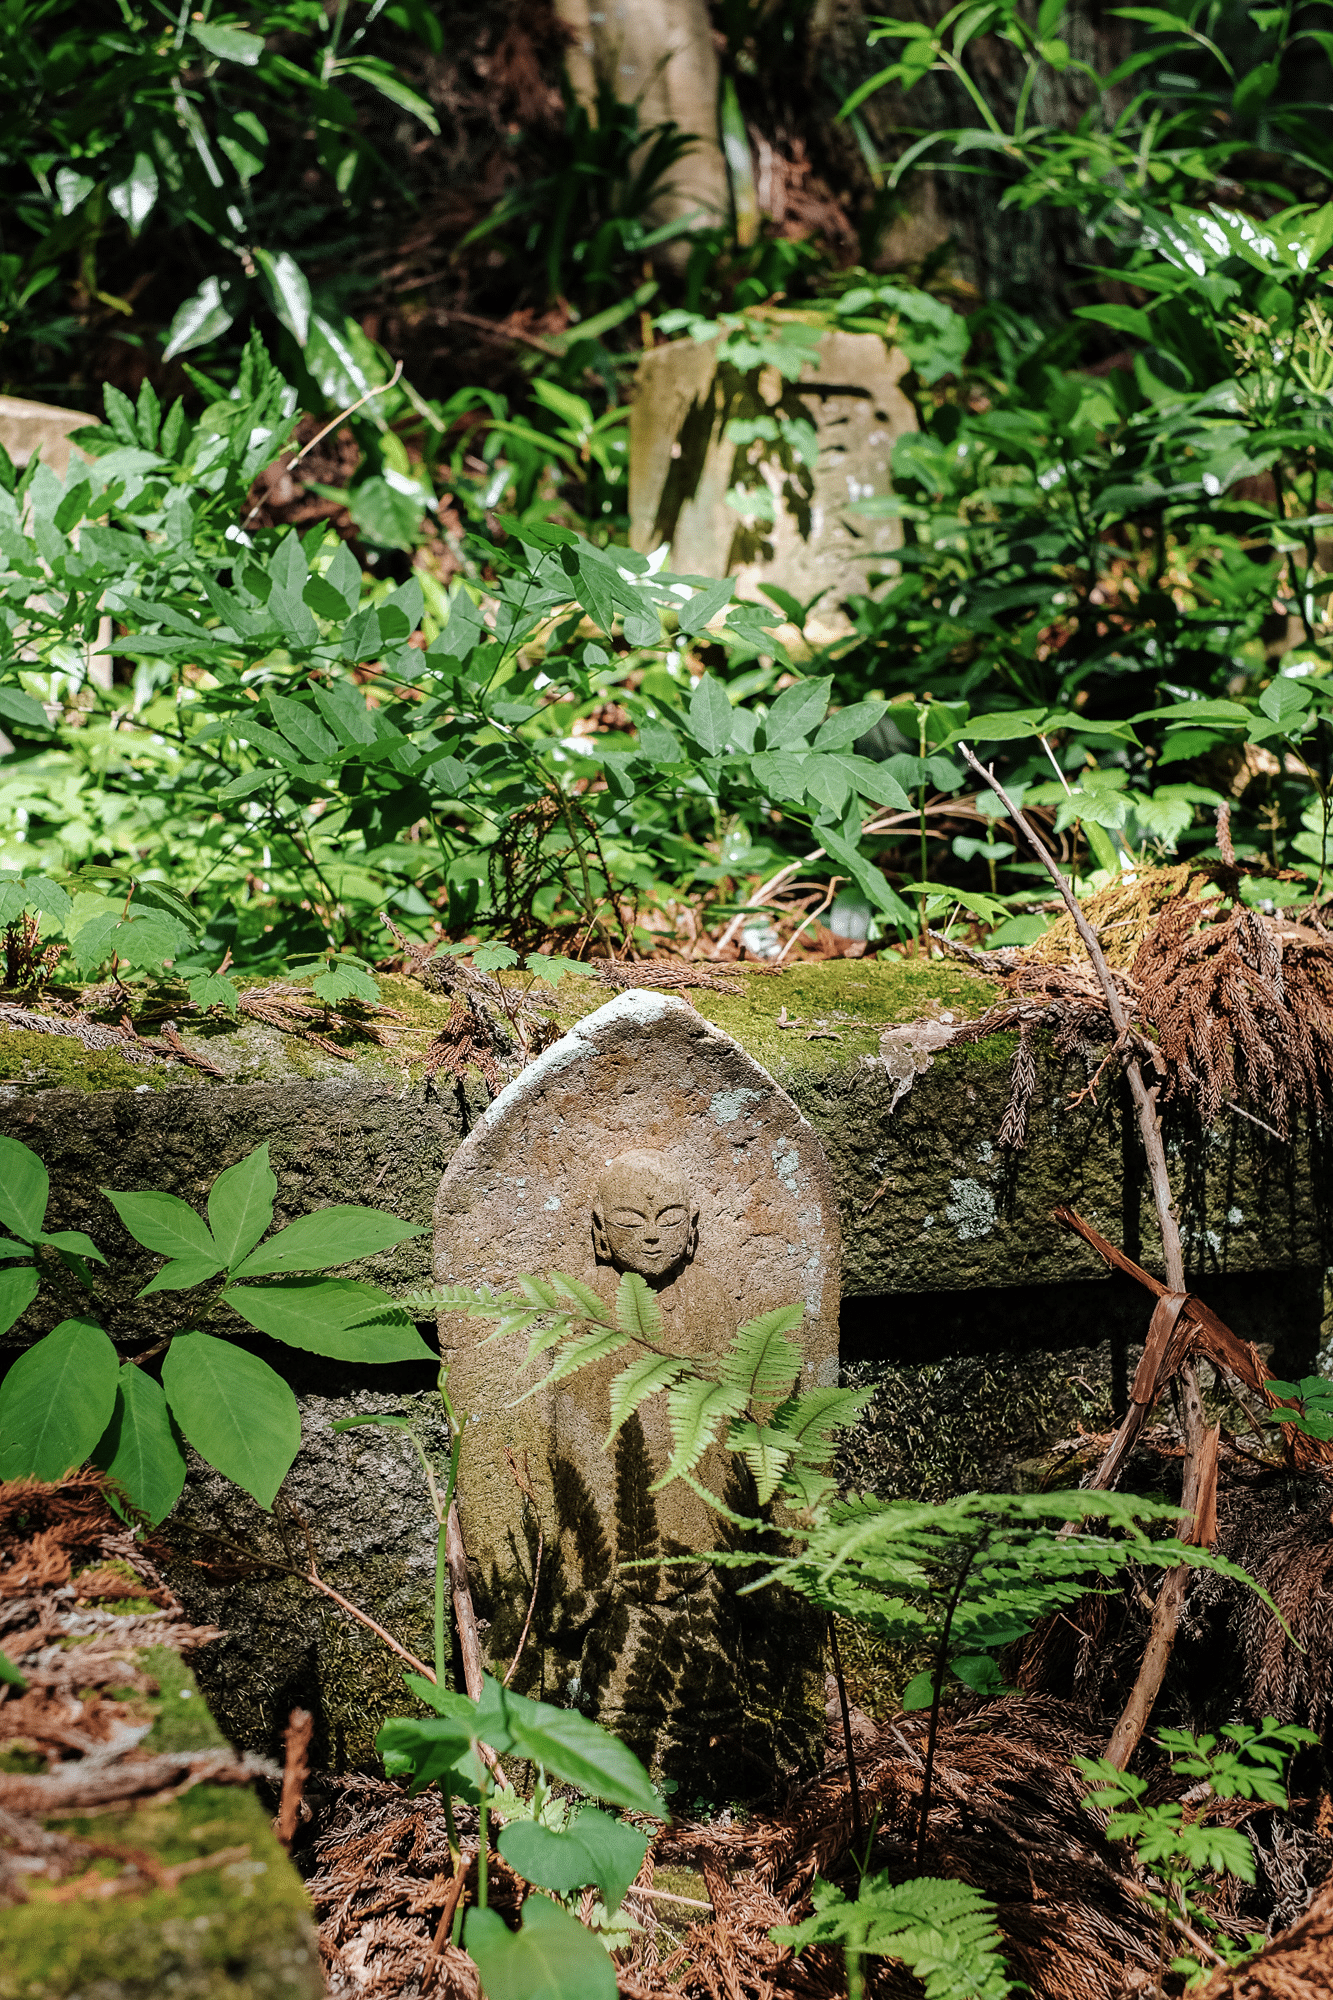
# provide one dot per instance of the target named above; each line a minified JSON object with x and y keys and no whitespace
{"x":649,"y":1136}
{"x":683,"y":465}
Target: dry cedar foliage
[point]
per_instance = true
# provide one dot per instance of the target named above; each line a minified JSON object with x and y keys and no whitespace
{"x":72,"y":1646}
{"x":1231,"y":1005}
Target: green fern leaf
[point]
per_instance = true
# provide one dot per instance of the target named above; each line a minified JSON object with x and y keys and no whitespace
{"x":697,"y":1408}
{"x":643,"y":1378}
{"x":761,"y":1362}
{"x":578,"y":1353}
{"x":576,"y":1293}
{"x":540,"y":1292}
{"x":547,"y":1337}
{"x":638,"y":1314}
{"x":765,"y":1450}
{"x":945,"y":1933}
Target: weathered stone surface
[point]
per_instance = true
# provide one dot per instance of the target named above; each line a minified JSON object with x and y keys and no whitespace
{"x":242,"y":1931}
{"x":685,"y":460}
{"x":27,"y":427}
{"x":646,"y":1140}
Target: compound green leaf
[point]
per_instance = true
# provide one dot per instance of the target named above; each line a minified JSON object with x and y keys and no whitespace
{"x":139,"y":1448}
{"x":236,"y":1412}
{"x":553,"y":1957}
{"x":335,"y":1235}
{"x":335,"y":1316}
{"x":24,"y":1189}
{"x":56,"y":1401}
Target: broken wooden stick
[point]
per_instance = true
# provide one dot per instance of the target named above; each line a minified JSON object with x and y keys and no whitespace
{"x":1166,"y":1614}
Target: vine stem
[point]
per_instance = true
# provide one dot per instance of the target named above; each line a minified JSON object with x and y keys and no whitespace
{"x":937,"y":1692}
{"x":855,"y":1782}
{"x":1171,"y":1595}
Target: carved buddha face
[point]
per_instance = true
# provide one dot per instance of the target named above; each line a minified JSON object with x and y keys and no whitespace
{"x":643,"y":1218}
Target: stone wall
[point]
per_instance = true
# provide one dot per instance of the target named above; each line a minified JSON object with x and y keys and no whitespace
{"x":948,"y":1251}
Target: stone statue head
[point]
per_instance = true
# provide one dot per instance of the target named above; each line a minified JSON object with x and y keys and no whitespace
{"x":643,"y":1217}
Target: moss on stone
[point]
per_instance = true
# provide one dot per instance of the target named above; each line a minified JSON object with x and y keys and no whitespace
{"x":240,"y":1931}
{"x":61,"y":1062}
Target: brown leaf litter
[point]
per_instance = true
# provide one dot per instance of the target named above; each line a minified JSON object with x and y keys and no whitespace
{"x":1231,"y":1005}
{"x":83,"y":1710}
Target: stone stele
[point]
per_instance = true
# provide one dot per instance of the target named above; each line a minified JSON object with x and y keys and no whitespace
{"x":645,"y":1140}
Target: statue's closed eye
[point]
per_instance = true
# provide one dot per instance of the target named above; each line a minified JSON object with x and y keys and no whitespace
{"x":671,"y":1218}
{"x":626,"y":1218}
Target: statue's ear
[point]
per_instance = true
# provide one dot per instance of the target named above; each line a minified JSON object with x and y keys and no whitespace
{"x":600,"y":1245}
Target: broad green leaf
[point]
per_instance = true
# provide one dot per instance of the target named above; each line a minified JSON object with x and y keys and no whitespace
{"x":344,"y":982}
{"x":10,"y":1249}
{"x":567,"y":1746}
{"x":211,"y":989}
{"x":330,"y":1236}
{"x":334,"y":1316}
{"x":228,"y":44}
{"x":135,"y":198}
{"x":593,"y":1850}
{"x":240,"y":1205}
{"x":797,"y":712}
{"x":18,"y":1289}
{"x":711,"y":716}
{"x":165,"y":1223}
{"x":182,"y":1274}
{"x":74,"y":1243}
{"x":139,"y":1448}
{"x":705,"y":604}
{"x":15,"y":706}
{"x":10,"y":1674}
{"x":303,"y":728}
{"x":236,"y":1412}
{"x":288,"y":289}
{"x":205,"y":314}
{"x":1283,"y":700}
{"x":553,"y":1956}
{"x":56,"y":1401}
{"x":25,"y":1188}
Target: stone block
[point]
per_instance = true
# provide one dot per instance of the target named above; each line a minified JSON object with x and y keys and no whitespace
{"x":27,"y":427}
{"x":697,"y":451}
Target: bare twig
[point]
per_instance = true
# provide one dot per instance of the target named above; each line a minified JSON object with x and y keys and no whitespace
{"x":332,"y":425}
{"x":296,"y":1769}
{"x":523,"y":1480}
{"x":853,"y":1780}
{"x":469,"y":1639}
{"x":316,"y":1582}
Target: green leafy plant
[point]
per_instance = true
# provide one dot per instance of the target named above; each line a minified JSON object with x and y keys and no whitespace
{"x":71,"y":1397}
{"x":558,"y":1852}
{"x":1180,"y":1845}
{"x":943,"y":1932}
{"x":744,"y":1398}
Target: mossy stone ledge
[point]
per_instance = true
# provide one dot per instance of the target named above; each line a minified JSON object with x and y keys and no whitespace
{"x":948,"y":1249}
{"x":241,"y":1930}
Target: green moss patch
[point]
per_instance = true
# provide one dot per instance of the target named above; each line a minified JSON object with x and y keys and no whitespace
{"x":61,"y":1062}
{"x":235,"y":1931}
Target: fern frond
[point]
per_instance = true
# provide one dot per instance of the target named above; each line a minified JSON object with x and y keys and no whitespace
{"x":638,"y":1314}
{"x":697,"y":1408}
{"x":574,"y":1292}
{"x":945,"y":1933}
{"x":474,"y":1299}
{"x":761,"y":1362}
{"x":588,"y":1347}
{"x":539,"y":1292}
{"x":642,"y":1379}
{"x":766,"y":1450}
{"x":812,"y":1419}
{"x":547,"y":1337}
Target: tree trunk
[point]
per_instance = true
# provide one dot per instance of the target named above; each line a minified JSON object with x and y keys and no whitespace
{"x":660,"y":55}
